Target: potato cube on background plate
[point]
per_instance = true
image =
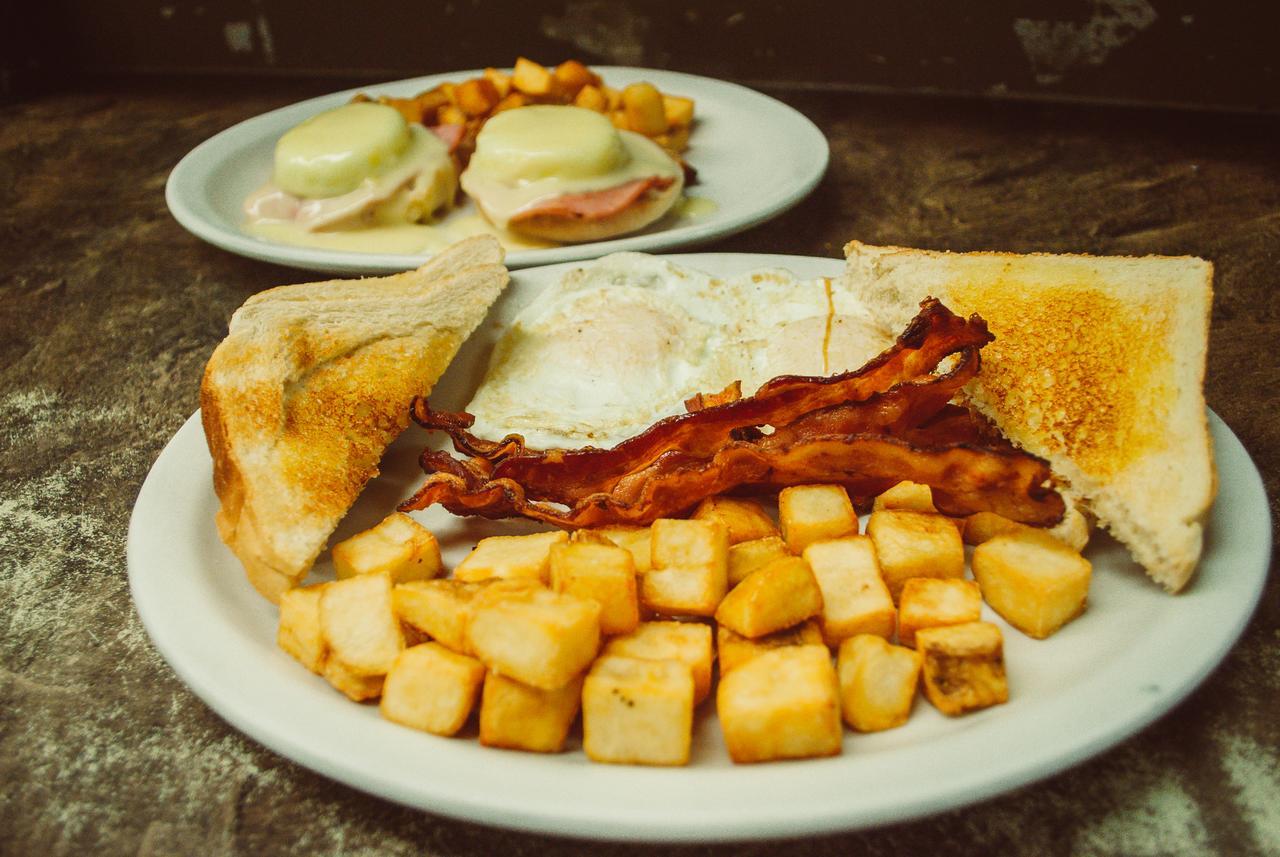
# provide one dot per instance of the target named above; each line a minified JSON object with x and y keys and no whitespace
{"x":689,"y":574}
{"x":605,"y":574}
{"x":536,"y":636}
{"x":687,"y":642}
{"x":746,"y":557}
{"x":915,"y":544}
{"x":745,"y":520}
{"x":299,"y":632}
{"x":360,"y":627}
{"x":782,"y":594}
{"x":907,"y":495}
{"x":928,"y":602}
{"x":515,"y":716}
{"x":877,"y":682}
{"x":637,"y":711}
{"x":855,"y":599}
{"x":809,"y":513}
{"x":1034,"y":581}
{"x":398,"y":546}
{"x":733,"y":649}
{"x":431,"y":688}
{"x":784,"y":704}
{"x":511,"y":557}
{"x":963,"y":666}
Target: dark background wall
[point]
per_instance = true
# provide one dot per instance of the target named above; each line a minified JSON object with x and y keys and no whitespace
{"x":1188,"y":53}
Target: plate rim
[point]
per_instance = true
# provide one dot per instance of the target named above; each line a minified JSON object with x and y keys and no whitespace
{"x":193,"y":169}
{"x":1244,"y":488}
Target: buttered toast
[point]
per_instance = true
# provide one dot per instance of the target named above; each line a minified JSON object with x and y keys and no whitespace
{"x":1097,"y":366}
{"x":310,"y":386}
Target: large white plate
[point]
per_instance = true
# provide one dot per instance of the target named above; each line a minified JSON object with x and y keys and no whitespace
{"x":756,"y":157}
{"x":1133,"y":654}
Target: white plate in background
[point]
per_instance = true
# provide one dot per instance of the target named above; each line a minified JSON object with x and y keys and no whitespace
{"x":1129,"y":658}
{"x":755,"y":156}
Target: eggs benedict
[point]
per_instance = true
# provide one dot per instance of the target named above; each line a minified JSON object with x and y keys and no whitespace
{"x":567,"y":174}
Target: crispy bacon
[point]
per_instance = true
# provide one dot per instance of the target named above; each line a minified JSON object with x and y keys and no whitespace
{"x":866,"y":429}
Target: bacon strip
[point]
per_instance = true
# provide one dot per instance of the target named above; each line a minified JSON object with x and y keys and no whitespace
{"x":595,"y":204}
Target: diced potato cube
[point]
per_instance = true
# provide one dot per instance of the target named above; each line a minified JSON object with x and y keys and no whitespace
{"x":1072,"y":530}
{"x":451,"y":114}
{"x":619,"y":120}
{"x":406,"y":107}
{"x":745,"y":520}
{"x":299,"y":633}
{"x":855,"y":599}
{"x":359,"y":625}
{"x":687,"y":642}
{"x":877,"y":682}
{"x":591,"y":98}
{"x":356,"y":687}
{"x":642,"y":104}
{"x":605,"y":574}
{"x":675,"y":141}
{"x":928,"y":602}
{"x":782,"y":594}
{"x":783,"y":704}
{"x":637,"y":711}
{"x":571,"y":76}
{"x":511,"y":101}
{"x":429,"y":103}
{"x":733,"y":649}
{"x":690,"y":566}
{"x":963,"y":666}
{"x":477,"y":96}
{"x":531,"y":78}
{"x":612,"y":98}
{"x":398,"y":546}
{"x":1034,"y":581}
{"x":535,"y":636}
{"x":500,"y":79}
{"x":810,"y":513}
{"x":511,"y":557}
{"x":915,"y":544}
{"x":677,"y":111}
{"x":907,"y":495}
{"x":431,"y":688}
{"x":634,"y":539}
{"x":516,"y":716}
{"x":746,"y":557}
{"x":441,"y":608}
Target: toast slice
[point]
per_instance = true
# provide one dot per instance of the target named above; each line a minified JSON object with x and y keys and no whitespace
{"x":310,"y":386}
{"x":1097,"y":366}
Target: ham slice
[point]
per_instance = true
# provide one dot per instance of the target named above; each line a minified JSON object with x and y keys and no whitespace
{"x":451,"y":135}
{"x":595,"y":204}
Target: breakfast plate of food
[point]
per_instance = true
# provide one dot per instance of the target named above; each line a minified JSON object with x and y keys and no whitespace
{"x":559,"y":163}
{"x":707,"y":546}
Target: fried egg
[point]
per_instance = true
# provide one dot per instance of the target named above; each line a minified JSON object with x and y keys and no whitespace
{"x":618,"y":344}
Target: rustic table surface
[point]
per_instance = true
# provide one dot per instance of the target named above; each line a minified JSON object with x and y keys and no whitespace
{"x":108,"y":311}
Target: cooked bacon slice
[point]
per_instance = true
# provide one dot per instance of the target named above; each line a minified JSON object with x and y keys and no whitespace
{"x":595,"y":204}
{"x":866,"y":429}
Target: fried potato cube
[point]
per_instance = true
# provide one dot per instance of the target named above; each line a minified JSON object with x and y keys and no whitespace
{"x":855,"y":599}
{"x":745,"y":520}
{"x":1034,"y":581}
{"x":432,"y":689}
{"x":515,"y":716}
{"x":675,"y":141}
{"x":511,"y":557}
{"x":539,"y":637}
{"x":1072,"y":530}
{"x":356,"y":687}
{"x":747,"y":557}
{"x":637,"y":540}
{"x":907,"y":495}
{"x":591,"y":98}
{"x":406,"y":107}
{"x":782,"y":594}
{"x":637,"y":711}
{"x":963,"y":666}
{"x":687,"y":642}
{"x":299,"y":632}
{"x":783,"y":704}
{"x":605,"y":574}
{"x":928,"y":602}
{"x":451,"y":114}
{"x":531,"y":78}
{"x":359,"y":625}
{"x":500,"y":79}
{"x":810,"y":513}
{"x":877,"y":682}
{"x":915,"y":544}
{"x":398,"y":546}
{"x":477,"y":96}
{"x":690,"y":568}
{"x":619,"y":120}
{"x":734,"y":650}
{"x":612,"y":98}
{"x":642,"y":104}
{"x":511,"y":101}
{"x":430,"y":102}
{"x":677,"y":111}
{"x":571,"y":76}
{"x":438,"y":608}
